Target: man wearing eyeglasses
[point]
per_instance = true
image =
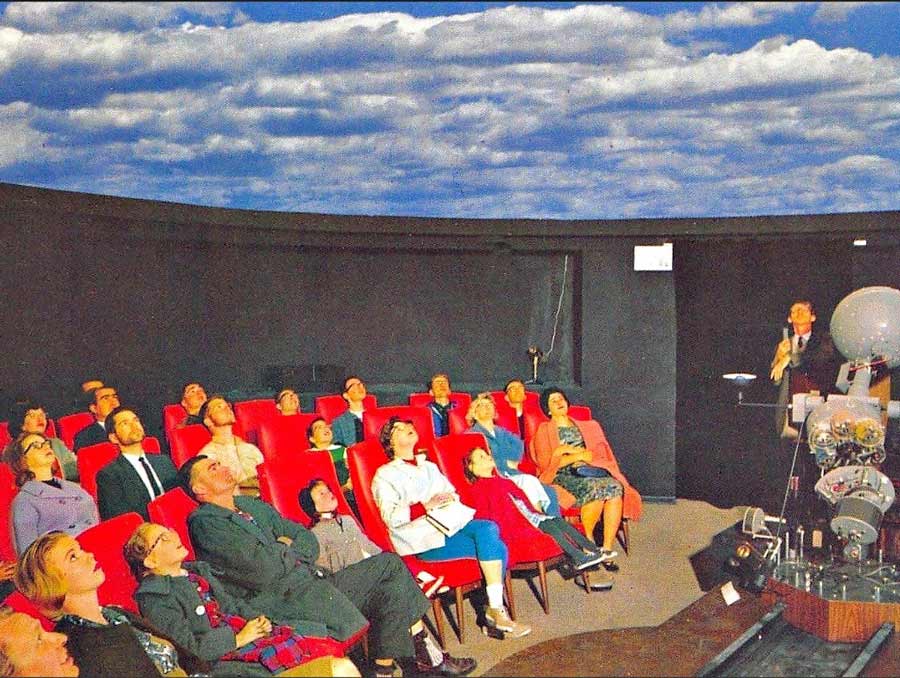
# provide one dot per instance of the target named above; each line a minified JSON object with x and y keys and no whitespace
{"x":101,"y":401}
{"x":348,"y":427}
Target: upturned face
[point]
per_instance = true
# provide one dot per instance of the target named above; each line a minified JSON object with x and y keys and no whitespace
{"x":404,"y":437}
{"x":79,"y":568}
{"x":219,"y":412}
{"x":485,"y":409}
{"x":288,"y":402}
{"x":801,"y":314}
{"x":324,"y":498}
{"x":32,"y":651}
{"x":354,"y":390}
{"x":481,"y":463}
{"x":515,"y":393}
{"x":440,"y":386}
{"x":557,"y":404}
{"x":322,"y":434}
{"x":105,"y":401}
{"x":38,"y":453}
{"x":193,"y":397}
{"x":35,"y":421}
{"x":209,"y":476}
{"x":166,"y":549}
{"x":127,"y":428}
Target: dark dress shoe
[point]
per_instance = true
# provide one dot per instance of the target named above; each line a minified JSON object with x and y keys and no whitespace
{"x":450,"y":666}
{"x":610,"y":566}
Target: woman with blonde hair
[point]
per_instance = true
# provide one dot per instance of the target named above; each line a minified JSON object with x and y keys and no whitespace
{"x":61,"y":580}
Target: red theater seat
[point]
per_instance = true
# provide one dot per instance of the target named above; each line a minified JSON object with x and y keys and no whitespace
{"x":252,"y":413}
{"x":331,"y":406}
{"x":94,"y":457}
{"x":281,"y":480}
{"x":374,"y":421}
{"x":8,"y":492}
{"x":186,"y":442}
{"x":285,"y":436}
{"x":172,"y":510}
{"x":460,"y":575}
{"x":105,"y":541}
{"x":71,"y":424}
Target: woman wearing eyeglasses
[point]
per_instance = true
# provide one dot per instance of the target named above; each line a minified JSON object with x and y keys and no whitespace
{"x":187,"y":600}
{"x":44,"y":503}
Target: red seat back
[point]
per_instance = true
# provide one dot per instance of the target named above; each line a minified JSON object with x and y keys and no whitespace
{"x":172,"y":510}
{"x":460,"y":399}
{"x":105,"y":541}
{"x":20,"y":603}
{"x":51,"y":429}
{"x":71,"y":424}
{"x":251,"y":413}
{"x":448,"y":453}
{"x":5,"y":438}
{"x":374,"y":421}
{"x":186,"y":442}
{"x":580,"y":412}
{"x":457,"y":420}
{"x":280,"y":435}
{"x":173,"y":416}
{"x":363,"y":459}
{"x":8,"y":492}
{"x":533,"y":418}
{"x":281,"y":479}
{"x":330,"y":406}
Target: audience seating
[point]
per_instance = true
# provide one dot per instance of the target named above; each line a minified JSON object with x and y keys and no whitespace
{"x":173,"y":415}
{"x":71,"y":424}
{"x":460,"y":399}
{"x":580,"y":412}
{"x":282,"y":435}
{"x":457,"y":420}
{"x":252,"y":413}
{"x":172,"y":510}
{"x":330,"y":406}
{"x":449,"y":452}
{"x":94,"y":457}
{"x":8,"y":492}
{"x":105,"y":541}
{"x":186,"y":442}
{"x":461,"y":575}
{"x":374,"y":421}
{"x":281,"y":479}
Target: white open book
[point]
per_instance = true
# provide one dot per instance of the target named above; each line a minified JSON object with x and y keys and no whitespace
{"x":450,"y":518}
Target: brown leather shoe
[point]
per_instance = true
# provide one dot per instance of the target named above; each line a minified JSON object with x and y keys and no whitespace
{"x":450,"y":666}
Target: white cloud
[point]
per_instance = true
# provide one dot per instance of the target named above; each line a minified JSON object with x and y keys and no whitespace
{"x":837,"y":12}
{"x":66,"y":17}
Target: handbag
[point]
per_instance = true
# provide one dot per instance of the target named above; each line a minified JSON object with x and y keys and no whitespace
{"x":588,"y":471}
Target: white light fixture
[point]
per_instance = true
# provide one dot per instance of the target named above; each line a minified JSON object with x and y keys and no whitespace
{"x":860,"y":242}
{"x":653,"y":257}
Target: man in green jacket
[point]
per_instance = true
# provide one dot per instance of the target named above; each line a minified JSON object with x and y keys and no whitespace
{"x":269,"y":562}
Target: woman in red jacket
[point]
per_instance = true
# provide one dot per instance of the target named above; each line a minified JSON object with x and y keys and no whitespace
{"x":499,"y":499}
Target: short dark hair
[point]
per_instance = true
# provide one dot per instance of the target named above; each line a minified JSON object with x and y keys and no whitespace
{"x":17,"y":411}
{"x":435,"y":376}
{"x":89,"y":397}
{"x":111,"y":417}
{"x":188,"y":383}
{"x":545,"y":397}
{"x":183,"y":478}
{"x":346,"y":379}
{"x":385,"y":436}
{"x":306,"y":501}
{"x":309,"y":429}
{"x":511,"y":382}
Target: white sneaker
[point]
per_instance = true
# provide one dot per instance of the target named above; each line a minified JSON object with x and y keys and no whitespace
{"x":498,"y":618}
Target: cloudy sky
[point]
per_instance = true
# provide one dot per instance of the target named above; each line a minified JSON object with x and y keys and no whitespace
{"x":558,"y":110}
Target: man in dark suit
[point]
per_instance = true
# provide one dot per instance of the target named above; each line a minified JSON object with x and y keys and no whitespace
{"x":101,"y":401}
{"x":133,"y":479}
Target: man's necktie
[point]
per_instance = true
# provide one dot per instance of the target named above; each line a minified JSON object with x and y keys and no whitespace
{"x":153,"y":481}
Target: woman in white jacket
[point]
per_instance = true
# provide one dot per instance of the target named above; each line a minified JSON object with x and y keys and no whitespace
{"x":424,"y":516}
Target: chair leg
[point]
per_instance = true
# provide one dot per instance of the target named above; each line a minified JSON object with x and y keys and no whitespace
{"x":460,"y":619}
{"x":586,"y":578}
{"x":542,"y":577}
{"x":624,"y":537}
{"x":365,"y":645}
{"x":438,"y":619}
{"x":507,"y":584}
